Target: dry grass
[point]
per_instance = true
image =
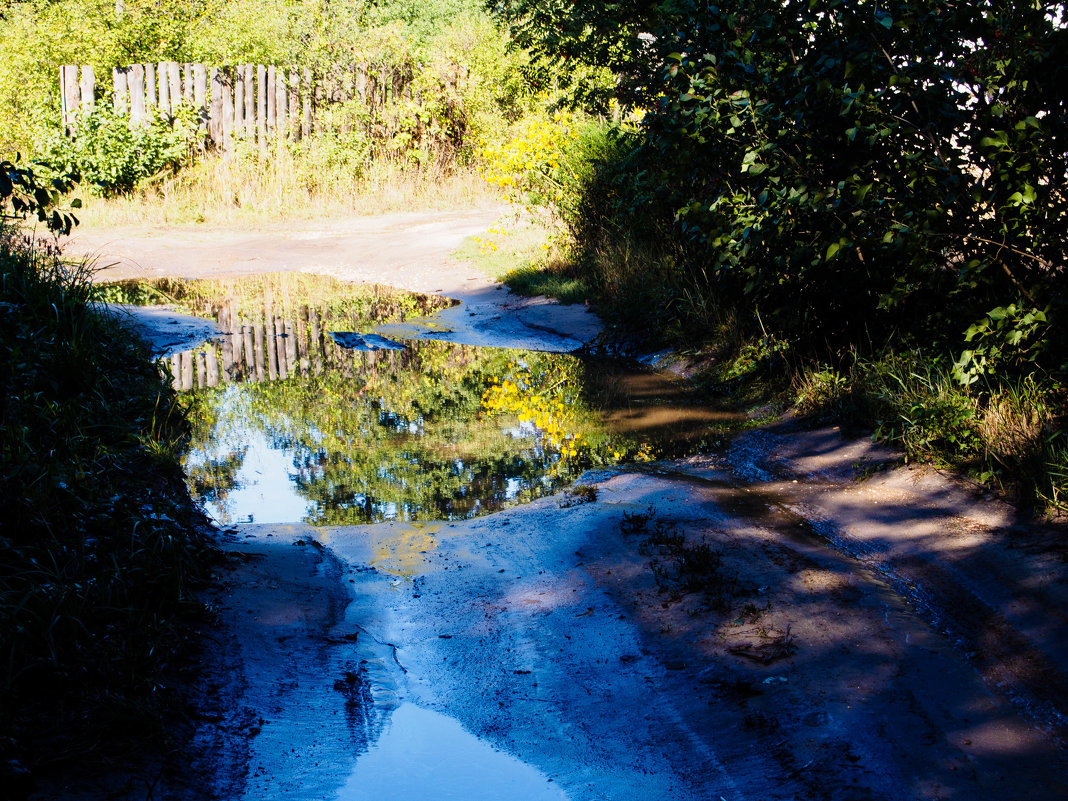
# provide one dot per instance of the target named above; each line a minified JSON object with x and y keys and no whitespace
{"x":1015,"y":424}
{"x":251,"y":188}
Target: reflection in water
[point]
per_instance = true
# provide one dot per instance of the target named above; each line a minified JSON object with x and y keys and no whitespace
{"x":381,"y":435}
{"x":289,"y":425}
{"x":425,"y":755}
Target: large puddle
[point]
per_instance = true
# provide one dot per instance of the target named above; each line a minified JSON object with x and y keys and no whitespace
{"x":299,"y":417}
{"x":300,"y":414}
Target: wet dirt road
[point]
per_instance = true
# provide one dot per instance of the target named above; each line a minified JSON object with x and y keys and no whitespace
{"x":888,"y":639}
{"x":755,"y":624}
{"x":409,"y":251}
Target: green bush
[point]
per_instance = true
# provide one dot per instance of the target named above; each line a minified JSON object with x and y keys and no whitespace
{"x":113,"y":156}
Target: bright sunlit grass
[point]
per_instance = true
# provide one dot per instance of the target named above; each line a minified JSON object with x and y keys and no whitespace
{"x":239,"y":189}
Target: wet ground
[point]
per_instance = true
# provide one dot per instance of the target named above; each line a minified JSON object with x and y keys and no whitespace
{"x":777,"y":613}
{"x":409,"y":251}
{"x":685,"y":634}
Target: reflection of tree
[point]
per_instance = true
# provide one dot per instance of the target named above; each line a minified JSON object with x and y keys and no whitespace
{"x":214,"y":479}
{"x":391,"y":434}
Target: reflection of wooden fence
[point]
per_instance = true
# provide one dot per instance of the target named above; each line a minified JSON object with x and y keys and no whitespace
{"x":248,"y":101}
{"x":279,"y":346}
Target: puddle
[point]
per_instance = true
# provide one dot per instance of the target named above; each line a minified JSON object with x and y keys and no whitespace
{"x":432,"y":432}
{"x":302,"y":415}
{"x":422,"y":754}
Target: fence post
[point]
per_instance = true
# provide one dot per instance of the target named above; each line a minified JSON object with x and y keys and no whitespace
{"x":120,"y":90}
{"x":272,"y":98}
{"x":150,"y":84}
{"x":200,"y":90}
{"x":294,"y":104}
{"x":239,"y":100}
{"x":174,"y":81}
{"x":309,"y":96}
{"x":70,"y":94}
{"x":261,"y":104}
{"x":88,"y":87}
{"x":188,"y":83}
{"x":135,"y":77}
{"x":164,"y":86}
{"x":281,"y":118}
{"x":250,"y":101}
{"x":216,"y":109}
{"x":228,"y":107}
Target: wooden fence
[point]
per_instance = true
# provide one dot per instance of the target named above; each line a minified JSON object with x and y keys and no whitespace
{"x":245,"y":101}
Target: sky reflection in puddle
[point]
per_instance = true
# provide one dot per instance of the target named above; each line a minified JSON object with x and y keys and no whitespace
{"x":424,"y":755}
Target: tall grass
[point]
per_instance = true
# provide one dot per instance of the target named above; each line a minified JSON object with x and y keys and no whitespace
{"x":1008,"y":434}
{"x":247,"y":187}
{"x":98,"y":548}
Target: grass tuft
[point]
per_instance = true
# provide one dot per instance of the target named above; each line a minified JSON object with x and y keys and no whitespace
{"x":1007,"y":435}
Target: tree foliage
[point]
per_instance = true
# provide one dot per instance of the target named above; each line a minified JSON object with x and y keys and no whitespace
{"x":854,"y":173}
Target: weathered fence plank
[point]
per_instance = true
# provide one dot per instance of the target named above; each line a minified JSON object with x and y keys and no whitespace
{"x":174,"y":83}
{"x":272,"y":98}
{"x":88,"y":88}
{"x":281,"y":119}
{"x":250,"y":101}
{"x":309,"y":107}
{"x":120,"y":96}
{"x":135,"y":78}
{"x":70,"y":94}
{"x":293,"y":101}
{"x":239,"y":101}
{"x":200,"y":91}
{"x":245,"y":100}
{"x":216,"y":111}
{"x":188,"y":81}
{"x":164,"y":85}
{"x":261,"y":105}
{"x":150,"y":84}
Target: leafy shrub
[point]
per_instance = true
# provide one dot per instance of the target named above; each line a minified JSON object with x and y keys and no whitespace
{"x":113,"y":156}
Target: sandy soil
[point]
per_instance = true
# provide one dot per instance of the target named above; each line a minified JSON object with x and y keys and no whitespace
{"x":409,"y":251}
{"x":793,"y":618}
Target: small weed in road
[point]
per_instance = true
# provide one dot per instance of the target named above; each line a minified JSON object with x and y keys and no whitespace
{"x":578,"y":494}
{"x":680,"y":568}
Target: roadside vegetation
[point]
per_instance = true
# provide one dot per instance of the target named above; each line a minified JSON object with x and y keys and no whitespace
{"x":419,"y":151}
{"x":859,"y":211}
{"x":99,"y":545}
{"x":861,"y":208}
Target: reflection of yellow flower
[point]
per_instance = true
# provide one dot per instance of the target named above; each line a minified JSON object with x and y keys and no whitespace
{"x":545,"y":409}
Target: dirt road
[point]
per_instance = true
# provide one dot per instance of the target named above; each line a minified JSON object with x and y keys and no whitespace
{"x":785,"y":619}
{"x":411,"y":251}
{"x":887,"y":639}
